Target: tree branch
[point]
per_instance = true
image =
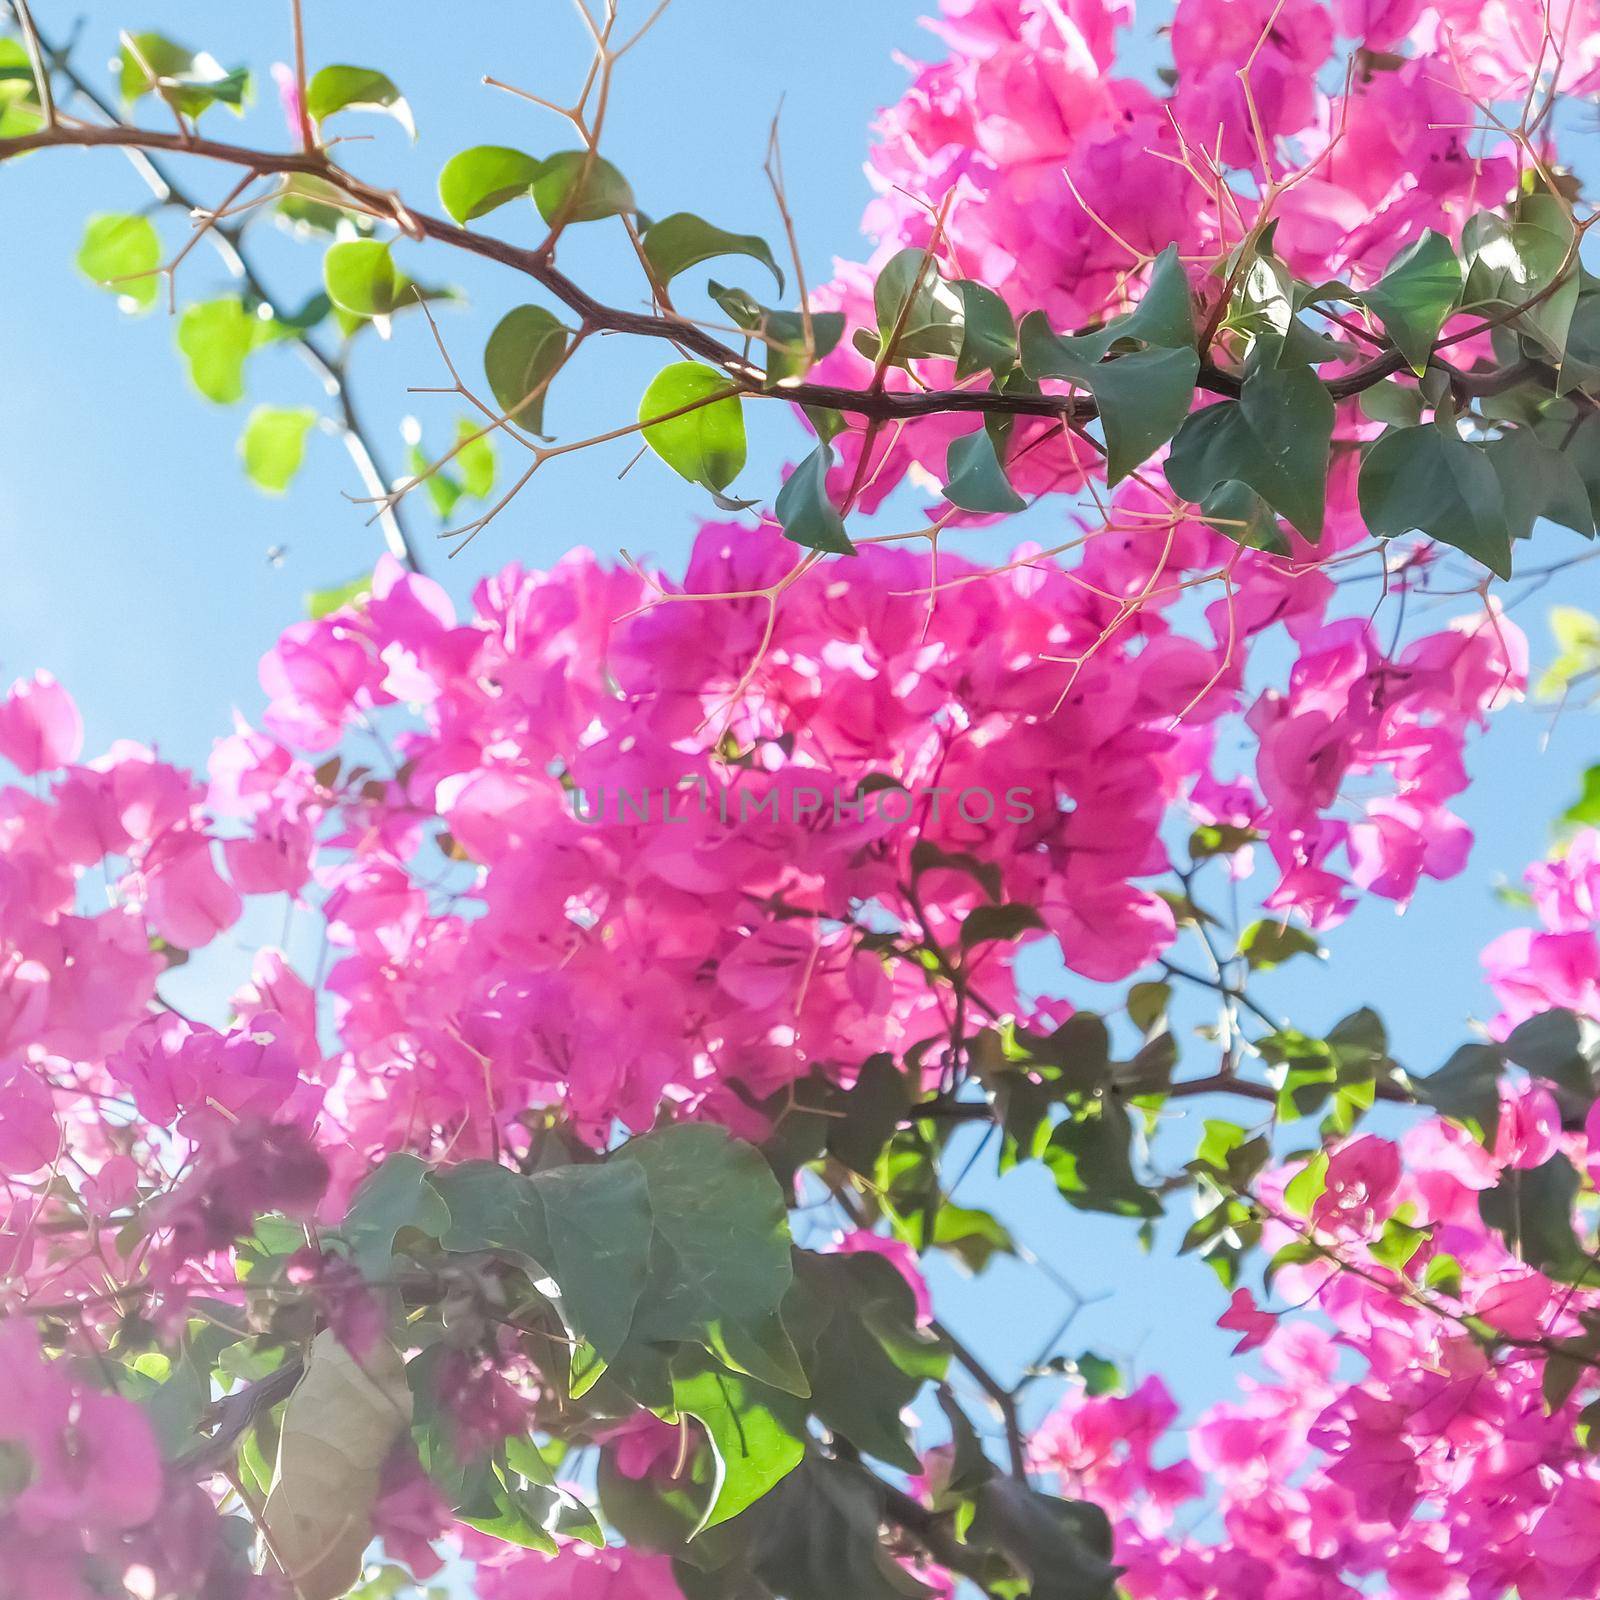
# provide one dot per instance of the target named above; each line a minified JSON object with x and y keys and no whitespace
{"x":538,"y":264}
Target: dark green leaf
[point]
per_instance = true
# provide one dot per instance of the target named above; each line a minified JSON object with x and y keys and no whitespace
{"x":1537,"y":481}
{"x":977,"y":480}
{"x":1089,"y":1154}
{"x":988,"y":333}
{"x":1467,"y":1089}
{"x":719,"y":1251}
{"x":1416,"y":294}
{"x":1274,"y":437}
{"x":784,"y":333}
{"x":805,"y":512}
{"x":869,"y":1113}
{"x":868,"y":1360}
{"x":1005,"y":922}
{"x":588,"y":1227}
{"x":1532,"y":1209}
{"x":1531,"y":258}
{"x":916,"y":308}
{"x":478,"y":180}
{"x":396,"y":1195}
{"x":1431,"y":480}
{"x":1063,"y":1547}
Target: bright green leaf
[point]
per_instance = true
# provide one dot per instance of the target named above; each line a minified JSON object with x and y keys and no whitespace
{"x":188,"y":81}
{"x":341,"y":88}
{"x":216,"y":336}
{"x":360,"y":276}
{"x":122,"y":253}
{"x":705,"y":441}
{"x":273,"y":444}
{"x":476,"y":181}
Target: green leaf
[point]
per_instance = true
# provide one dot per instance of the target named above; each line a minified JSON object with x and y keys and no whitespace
{"x":324,"y":602}
{"x":719,"y":1251}
{"x":916,"y":308}
{"x":757,"y":1433}
{"x":588,"y":1227}
{"x":122,"y":253}
{"x":1274,"y":438}
{"x":1428,"y":479}
{"x":1144,"y":396}
{"x":527,"y":346}
{"x":1512,"y":262}
{"x":682,"y":240}
{"x":1063,"y":1547}
{"x":1561,"y":1047}
{"x":783,"y":332}
{"x":360,"y":276}
{"x":475,"y":457}
{"x":189,"y":82}
{"x":478,"y":180}
{"x":706,"y":445}
{"x":1537,"y":480}
{"x":1467,"y":1089}
{"x":341,"y":88}
{"x":577,"y":186}
{"x":868,"y":1359}
{"x":977,"y":480}
{"x":1266,"y":945}
{"x":1163,"y":319}
{"x":273,"y":445}
{"x":396,"y":1195}
{"x":1004,"y":922}
{"x":988,"y":332}
{"x":870,"y":1112}
{"x":216,"y":337}
{"x":806,"y":513}
{"x":817,"y":1537}
{"x":1532,"y":1209}
{"x":1089,"y":1155}
{"x":1415,"y":296}
{"x":1144,"y":399}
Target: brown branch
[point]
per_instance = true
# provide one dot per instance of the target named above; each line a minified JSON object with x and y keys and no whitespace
{"x":538,"y":264}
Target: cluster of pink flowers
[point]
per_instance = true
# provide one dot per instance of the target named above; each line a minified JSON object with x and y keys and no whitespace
{"x":81,"y":1483}
{"x":1434,"y":1470}
{"x":612,"y":843}
{"x":1556,"y":964}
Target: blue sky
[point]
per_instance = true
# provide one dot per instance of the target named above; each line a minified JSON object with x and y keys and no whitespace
{"x":136,"y":555}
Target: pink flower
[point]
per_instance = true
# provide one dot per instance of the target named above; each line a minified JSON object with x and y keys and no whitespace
{"x":39,"y":725}
{"x":1243,"y":1316}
